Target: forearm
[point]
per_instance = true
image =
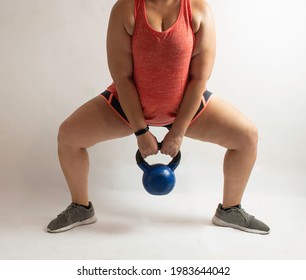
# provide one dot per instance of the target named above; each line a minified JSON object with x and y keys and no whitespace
{"x":189,"y":106}
{"x":130,"y":103}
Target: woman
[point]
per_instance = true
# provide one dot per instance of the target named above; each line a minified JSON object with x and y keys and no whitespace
{"x":160,"y":55}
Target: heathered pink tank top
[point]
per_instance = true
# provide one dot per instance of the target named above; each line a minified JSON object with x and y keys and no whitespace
{"x":161,"y":64}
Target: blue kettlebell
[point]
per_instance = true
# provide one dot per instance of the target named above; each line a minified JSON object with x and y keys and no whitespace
{"x":158,"y":179}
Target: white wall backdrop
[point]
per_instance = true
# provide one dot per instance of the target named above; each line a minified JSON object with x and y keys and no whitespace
{"x":53,"y":59}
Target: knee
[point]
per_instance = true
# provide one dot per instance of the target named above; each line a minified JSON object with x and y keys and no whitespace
{"x":250,"y":138}
{"x":65,"y":134}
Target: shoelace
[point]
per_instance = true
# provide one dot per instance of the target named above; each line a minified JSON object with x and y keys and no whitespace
{"x":247,"y":216}
{"x":68,"y":210}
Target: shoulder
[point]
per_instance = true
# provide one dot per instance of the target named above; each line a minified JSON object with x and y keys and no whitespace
{"x":199,"y":5}
{"x":123,"y":11}
{"x":122,"y":5}
{"x":200,"y":10}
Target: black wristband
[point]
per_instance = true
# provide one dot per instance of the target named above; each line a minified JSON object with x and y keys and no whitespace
{"x":141,"y":131}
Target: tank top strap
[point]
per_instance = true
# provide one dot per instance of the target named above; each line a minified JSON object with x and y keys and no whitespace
{"x":188,"y":7}
{"x":136,"y":7}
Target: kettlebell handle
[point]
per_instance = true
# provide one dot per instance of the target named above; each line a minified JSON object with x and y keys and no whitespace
{"x":173,"y":163}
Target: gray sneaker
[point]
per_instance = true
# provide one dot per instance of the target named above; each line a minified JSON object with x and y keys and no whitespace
{"x":236,"y":217}
{"x":74,"y":215}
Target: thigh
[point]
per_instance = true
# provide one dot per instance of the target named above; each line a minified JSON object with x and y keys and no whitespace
{"x":222,"y":124}
{"x":93,"y":122}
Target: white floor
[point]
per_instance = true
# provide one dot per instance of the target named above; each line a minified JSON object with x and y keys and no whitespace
{"x":134,"y":225}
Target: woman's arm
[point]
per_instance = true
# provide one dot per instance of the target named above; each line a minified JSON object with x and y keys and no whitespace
{"x":200,"y":70}
{"x":120,"y":62}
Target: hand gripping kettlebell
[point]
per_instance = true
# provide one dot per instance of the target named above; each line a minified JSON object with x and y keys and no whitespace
{"x":158,"y":179}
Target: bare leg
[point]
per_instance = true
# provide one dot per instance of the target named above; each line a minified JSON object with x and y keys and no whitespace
{"x":75,"y":166}
{"x":222,"y":124}
{"x":91,"y":123}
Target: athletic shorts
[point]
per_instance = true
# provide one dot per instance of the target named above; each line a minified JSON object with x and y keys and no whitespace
{"x":113,"y":102}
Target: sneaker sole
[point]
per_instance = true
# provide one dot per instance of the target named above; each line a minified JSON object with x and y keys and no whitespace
{"x":219,"y":222}
{"x":88,"y":221}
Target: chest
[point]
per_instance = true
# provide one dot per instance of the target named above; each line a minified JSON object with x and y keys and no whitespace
{"x":161,"y":16}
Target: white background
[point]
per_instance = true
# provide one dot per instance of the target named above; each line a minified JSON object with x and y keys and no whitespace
{"x":53,"y":59}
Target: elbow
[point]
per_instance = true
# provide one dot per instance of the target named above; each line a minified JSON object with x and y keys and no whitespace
{"x":199,"y":81}
{"x":122,"y":80}
{"x":197,"y":84}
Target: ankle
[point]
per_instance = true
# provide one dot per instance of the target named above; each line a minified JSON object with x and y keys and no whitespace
{"x":87,"y":206}
{"x":227,"y":207}
{"x":84,"y":203}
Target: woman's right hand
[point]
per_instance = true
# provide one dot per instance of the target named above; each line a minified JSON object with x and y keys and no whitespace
{"x":147,"y":144}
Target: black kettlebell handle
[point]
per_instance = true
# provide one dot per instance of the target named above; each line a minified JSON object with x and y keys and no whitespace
{"x":173,"y":163}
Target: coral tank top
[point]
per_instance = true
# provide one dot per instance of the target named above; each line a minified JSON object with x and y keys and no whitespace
{"x":161,"y":64}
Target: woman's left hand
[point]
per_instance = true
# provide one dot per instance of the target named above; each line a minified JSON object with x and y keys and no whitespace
{"x":171,"y":144}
